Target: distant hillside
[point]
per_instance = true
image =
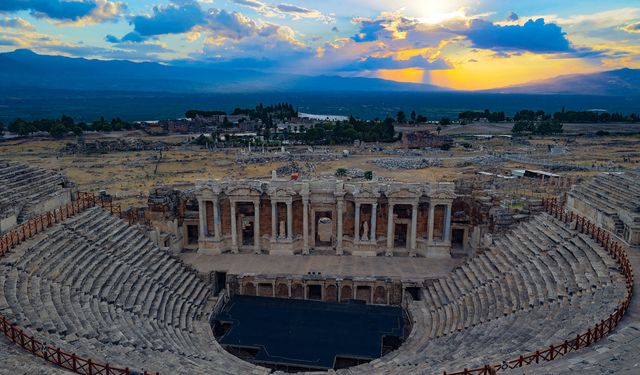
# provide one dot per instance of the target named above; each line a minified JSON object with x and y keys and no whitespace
{"x":622,"y":82}
{"x":24,"y":69}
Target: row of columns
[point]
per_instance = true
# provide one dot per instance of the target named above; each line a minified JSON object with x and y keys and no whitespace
{"x":372,"y":224}
{"x":274,"y":221}
{"x":202,"y":204}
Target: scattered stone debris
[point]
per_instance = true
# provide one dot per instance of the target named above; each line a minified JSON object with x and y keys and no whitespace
{"x":479,"y":160}
{"x":403,"y":152}
{"x":112,"y":145}
{"x":264,"y":158}
{"x":407,"y":163}
{"x":355,"y":173}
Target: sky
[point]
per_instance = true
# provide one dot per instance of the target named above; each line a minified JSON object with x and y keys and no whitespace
{"x":459,"y":44}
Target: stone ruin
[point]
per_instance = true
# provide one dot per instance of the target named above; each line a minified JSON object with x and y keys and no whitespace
{"x":99,"y":288}
{"x":27,"y":191}
{"x":100,"y":146}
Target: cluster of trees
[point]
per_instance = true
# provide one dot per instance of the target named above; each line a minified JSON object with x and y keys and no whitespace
{"x":414,"y":118}
{"x":575,"y":116}
{"x":192,"y":113}
{"x":348,"y":131}
{"x":267,"y":114}
{"x":593,"y":117}
{"x":280,"y":111}
{"x":529,"y":115}
{"x":543,"y":127}
{"x":491,"y":116}
{"x":59,"y":127}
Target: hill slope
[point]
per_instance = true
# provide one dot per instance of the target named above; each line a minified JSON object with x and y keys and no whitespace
{"x":26,"y":69}
{"x":621,"y":82}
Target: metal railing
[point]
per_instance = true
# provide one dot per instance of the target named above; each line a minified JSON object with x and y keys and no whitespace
{"x":608,"y":241}
{"x":20,"y":337}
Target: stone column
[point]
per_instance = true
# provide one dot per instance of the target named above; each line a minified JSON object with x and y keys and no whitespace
{"x":274,"y":221}
{"x":447,"y":224}
{"x":374,"y":218}
{"x":289,"y":221}
{"x":202,"y":216}
{"x":414,"y":228}
{"x":217,"y":220}
{"x":339,"y":227}
{"x":234,"y":229}
{"x":432,"y":213}
{"x":390,"y":231}
{"x":305,"y":225}
{"x":356,"y":225}
{"x":256,"y":226}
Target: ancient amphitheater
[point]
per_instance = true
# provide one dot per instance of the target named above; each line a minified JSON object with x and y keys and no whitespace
{"x":88,"y":288}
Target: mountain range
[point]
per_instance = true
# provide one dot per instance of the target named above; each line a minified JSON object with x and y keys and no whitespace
{"x":25,"y":70}
{"x":621,"y":82}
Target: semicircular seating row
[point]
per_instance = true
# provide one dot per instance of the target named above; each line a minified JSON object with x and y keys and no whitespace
{"x":540,"y":284}
{"x":99,"y":288}
{"x":23,"y":187}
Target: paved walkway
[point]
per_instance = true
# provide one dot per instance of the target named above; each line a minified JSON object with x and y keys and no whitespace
{"x":400,"y":267}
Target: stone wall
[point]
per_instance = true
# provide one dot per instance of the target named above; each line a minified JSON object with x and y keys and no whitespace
{"x":373,"y":291}
{"x":300,"y":206}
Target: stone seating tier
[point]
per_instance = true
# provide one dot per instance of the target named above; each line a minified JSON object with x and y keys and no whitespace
{"x":540,"y":283}
{"x":97,"y":287}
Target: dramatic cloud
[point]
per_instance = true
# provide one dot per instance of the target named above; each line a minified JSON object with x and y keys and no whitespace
{"x":280,"y":10}
{"x":632,"y":28}
{"x":56,"y":9}
{"x":170,"y":19}
{"x":369,"y":30}
{"x":534,"y":36}
{"x":131,"y":37}
{"x":376,"y":63}
{"x":512,"y":16}
{"x":16,"y":23}
{"x":299,"y":12}
{"x":89,"y":11}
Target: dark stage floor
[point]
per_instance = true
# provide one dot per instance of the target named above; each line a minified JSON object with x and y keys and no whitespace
{"x":308,"y":334}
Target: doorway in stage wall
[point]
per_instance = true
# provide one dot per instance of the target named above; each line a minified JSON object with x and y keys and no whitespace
{"x":457,"y":237}
{"x":314,"y":292}
{"x":400,"y":235}
{"x":192,"y":234}
{"x":324,"y":229}
{"x":247,"y":231}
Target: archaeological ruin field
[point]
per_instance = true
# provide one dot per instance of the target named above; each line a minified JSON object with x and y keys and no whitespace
{"x":126,"y":253}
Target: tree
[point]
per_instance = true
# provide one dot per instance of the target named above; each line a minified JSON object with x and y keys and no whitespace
{"x":341,"y":172}
{"x":226,"y":123}
{"x":439,"y":129}
{"x":1,"y":129}
{"x":414,"y":116}
{"x":368,"y":175}
{"x":401,"y":118}
{"x":445,"y":121}
{"x":66,"y":121}
{"x":58,"y":130}
{"x":421,"y":119}
{"x":522,"y":126}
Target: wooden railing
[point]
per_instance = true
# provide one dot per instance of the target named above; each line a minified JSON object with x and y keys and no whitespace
{"x":593,"y":334}
{"x":17,"y":335}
